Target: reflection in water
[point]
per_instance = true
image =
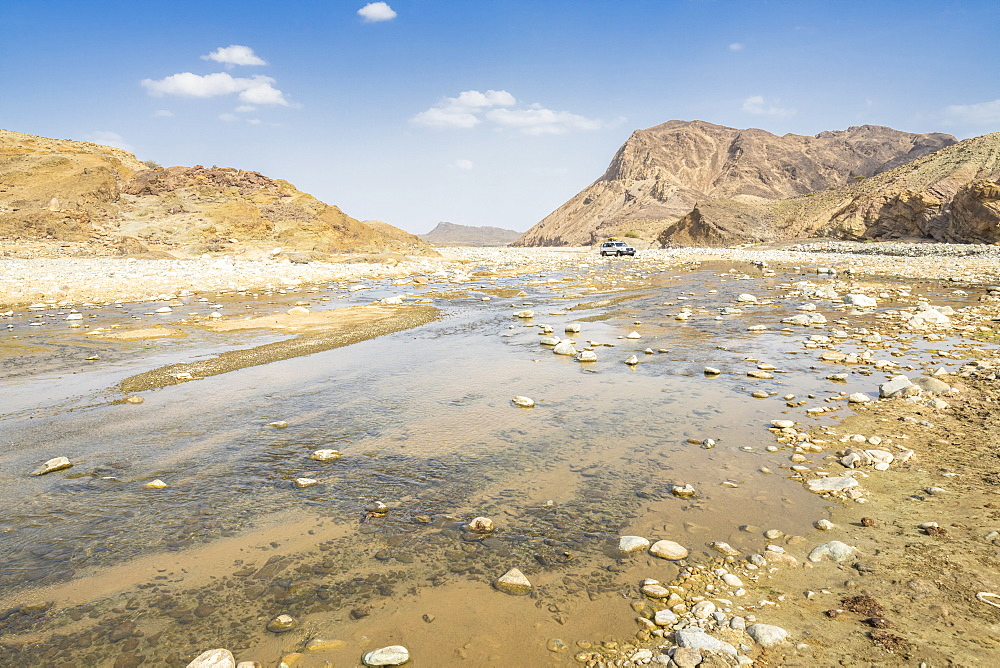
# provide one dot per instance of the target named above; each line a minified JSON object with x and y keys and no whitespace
{"x":425,"y":424}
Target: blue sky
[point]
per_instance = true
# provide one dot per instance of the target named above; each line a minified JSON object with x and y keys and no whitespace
{"x":478,"y":112}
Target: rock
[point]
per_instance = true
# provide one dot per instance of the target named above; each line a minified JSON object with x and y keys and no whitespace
{"x":282,"y":623}
{"x":634,"y":335}
{"x":767,"y":635}
{"x":479,"y":525}
{"x":391,"y":301}
{"x":702,"y":609}
{"x":928,"y":318}
{"x":695,"y":638}
{"x":523,"y":402}
{"x":782,"y":424}
{"x":894,"y":387}
{"x":760,"y":375}
{"x":834,"y":551}
{"x":668,"y":549}
{"x":134,"y":400}
{"x":732,"y":580}
{"x":214,"y":658}
{"x":280,"y":424}
{"x":655,"y":590}
{"x":860,"y":301}
{"x":683,"y":491}
{"x":687,"y":657}
{"x":746,"y":298}
{"x":556,"y":645}
{"x":512,"y":582}
{"x":549,"y":340}
{"x":156,"y":484}
{"x":325,"y":455}
{"x":302,"y":483}
{"x":832,"y":484}
{"x":712,"y":371}
{"x":324,"y":645}
{"x":665,"y":618}
{"x":640,"y":656}
{"x":524,"y":315}
{"x":298,"y":310}
{"x":824,"y":525}
{"x":632,"y":544}
{"x":805,"y":319}
{"x":572,"y":328}
{"x":725,"y":548}
{"x":564,"y":348}
{"x":54,"y":464}
{"x":587,"y":356}
{"x":931,"y":385}
{"x":833,"y":356}
{"x":632,"y":360}
{"x":394,"y":655}
{"x":859,"y":398}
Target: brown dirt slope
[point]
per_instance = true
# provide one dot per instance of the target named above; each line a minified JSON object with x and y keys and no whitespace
{"x":451,"y":234}
{"x":74,"y":191}
{"x":660,"y":173}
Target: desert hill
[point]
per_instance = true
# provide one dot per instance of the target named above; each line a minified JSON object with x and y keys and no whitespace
{"x":82,"y":192}
{"x":452,"y":234}
{"x":951,"y":195}
{"x":661,"y":173}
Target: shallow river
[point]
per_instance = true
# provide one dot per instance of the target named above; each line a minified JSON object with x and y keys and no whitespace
{"x":100,"y":570}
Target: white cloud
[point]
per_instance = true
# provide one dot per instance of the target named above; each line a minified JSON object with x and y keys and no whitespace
{"x":539,"y":121}
{"x":108,"y":138}
{"x":235,"y":54}
{"x":244,"y":108}
{"x":473,"y":107}
{"x":229,"y":118}
{"x":755,"y":104}
{"x":162,"y":113}
{"x":462,"y":111}
{"x":981,"y":113}
{"x":255,"y":90}
{"x":374,"y":12}
{"x":736,"y":46}
{"x":254,"y":121}
{"x":463,"y":164}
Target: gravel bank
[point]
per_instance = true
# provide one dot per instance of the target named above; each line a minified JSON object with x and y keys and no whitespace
{"x":68,"y":281}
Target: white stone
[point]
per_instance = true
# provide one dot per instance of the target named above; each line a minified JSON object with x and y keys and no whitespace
{"x":683,"y":491}
{"x":668,"y":549}
{"x":325,"y":455}
{"x":214,"y":658}
{"x":767,"y":635}
{"x":782,"y":424}
{"x":859,"y":398}
{"x":565,"y":347}
{"x":702,"y":609}
{"x":824,"y":525}
{"x":394,"y":655}
{"x":524,"y":314}
{"x":512,"y":582}
{"x":634,"y":335}
{"x":732,"y":580}
{"x":696,"y":638}
{"x":479,"y":525}
{"x":860,"y":301}
{"x":831,"y":484}
{"x":54,"y":464}
{"x":894,"y":387}
{"x":587,"y":356}
{"x":746,"y":298}
{"x":655,"y":590}
{"x":834,"y":551}
{"x":712,"y":371}
{"x":302,"y":483}
{"x":664,"y":618}
{"x":631,"y":544}
{"x":523,"y":402}
{"x":632,"y":360}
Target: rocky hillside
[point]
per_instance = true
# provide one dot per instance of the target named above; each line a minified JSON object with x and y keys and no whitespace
{"x":951,"y":195}
{"x":450,"y":234}
{"x":661,"y":173}
{"x":73,"y":191}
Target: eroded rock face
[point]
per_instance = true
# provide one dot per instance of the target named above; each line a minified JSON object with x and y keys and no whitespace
{"x":661,"y":173}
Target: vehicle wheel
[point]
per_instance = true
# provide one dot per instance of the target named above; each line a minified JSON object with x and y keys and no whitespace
{"x":619,"y":253}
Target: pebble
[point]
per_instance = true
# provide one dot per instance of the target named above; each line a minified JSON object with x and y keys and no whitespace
{"x":565,"y":347}
{"x":282,"y":623}
{"x":393,"y":655}
{"x":824,"y":525}
{"x":587,"y":356}
{"x":683,"y":491}
{"x":479,"y":525}
{"x":665,"y":618}
{"x":302,"y":483}
{"x":156,"y":484}
{"x":632,"y":360}
{"x":668,"y":549}
{"x":512,"y":582}
{"x":783,"y":424}
{"x":832,"y":484}
{"x":280,"y":424}
{"x":767,"y":635}
{"x":724,"y":548}
{"x":859,"y":398}
{"x":834,"y":551}
{"x":632,"y":544}
{"x":523,"y":402}
{"x":695,"y":638}
{"x":325,"y":455}
{"x":634,"y":335}
{"x":54,"y":464}
{"x":712,"y":371}
{"x":702,"y":609}
{"x":214,"y":658}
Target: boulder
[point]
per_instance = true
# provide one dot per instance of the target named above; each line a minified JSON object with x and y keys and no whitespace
{"x":512,"y":582}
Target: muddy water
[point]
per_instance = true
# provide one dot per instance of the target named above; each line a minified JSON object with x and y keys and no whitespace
{"x":101,"y":570}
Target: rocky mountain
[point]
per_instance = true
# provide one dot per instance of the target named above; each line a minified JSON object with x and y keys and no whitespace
{"x":951,"y":195}
{"x":451,"y":234}
{"x":661,"y":173}
{"x":82,"y":192}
